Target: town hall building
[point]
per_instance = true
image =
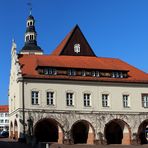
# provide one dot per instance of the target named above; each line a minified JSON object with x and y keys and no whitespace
{"x":73,"y":96}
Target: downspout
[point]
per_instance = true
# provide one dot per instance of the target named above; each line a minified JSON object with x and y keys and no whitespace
{"x":23,"y":108}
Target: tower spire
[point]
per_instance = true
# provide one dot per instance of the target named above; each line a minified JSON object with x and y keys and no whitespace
{"x":31,"y":46}
{"x":30,"y":7}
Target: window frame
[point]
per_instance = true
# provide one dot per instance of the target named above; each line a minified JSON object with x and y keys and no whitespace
{"x":34,"y":98}
{"x":71,"y":72}
{"x":87,"y":99}
{"x":49,"y":71}
{"x":144,"y":102}
{"x":70,"y":99}
{"x":126,"y":100}
{"x":50,"y":100}
{"x":105,"y":100}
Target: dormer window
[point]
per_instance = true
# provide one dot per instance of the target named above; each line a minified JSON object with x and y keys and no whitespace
{"x":117,"y":74}
{"x":83,"y":73}
{"x":49,"y":71}
{"x":71,"y":72}
{"x":95,"y":73}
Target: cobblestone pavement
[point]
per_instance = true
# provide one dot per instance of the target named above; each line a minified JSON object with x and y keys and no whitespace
{"x":7,"y":143}
{"x":98,"y":146}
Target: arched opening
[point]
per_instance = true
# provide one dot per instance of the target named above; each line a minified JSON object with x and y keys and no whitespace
{"x":11,"y":130}
{"x":48,"y":130}
{"x":15,"y":130}
{"x":142,"y":132}
{"x":117,"y":132}
{"x":82,"y":132}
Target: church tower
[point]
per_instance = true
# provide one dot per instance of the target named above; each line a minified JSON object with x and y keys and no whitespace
{"x":31,"y":46}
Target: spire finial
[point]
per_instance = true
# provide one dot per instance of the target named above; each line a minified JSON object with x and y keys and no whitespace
{"x":30,"y":6}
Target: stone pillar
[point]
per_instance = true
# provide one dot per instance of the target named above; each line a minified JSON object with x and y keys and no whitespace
{"x":60,"y":135}
{"x":90,"y":139}
{"x":67,"y":138}
{"x":100,"y":139}
{"x":134,"y":140}
{"x":126,"y":140}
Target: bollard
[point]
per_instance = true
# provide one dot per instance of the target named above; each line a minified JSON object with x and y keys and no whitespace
{"x":47,"y":145}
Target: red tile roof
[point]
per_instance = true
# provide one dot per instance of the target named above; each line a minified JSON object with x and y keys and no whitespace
{"x":29,"y":63}
{"x":4,"y":108}
{"x":60,"y":47}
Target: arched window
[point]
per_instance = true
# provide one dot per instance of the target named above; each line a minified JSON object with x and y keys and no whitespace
{"x":27,"y":38}
{"x":31,"y":23}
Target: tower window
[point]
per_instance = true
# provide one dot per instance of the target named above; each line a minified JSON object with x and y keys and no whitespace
{"x":31,"y":37}
{"x":27,"y":38}
{"x":30,"y":23}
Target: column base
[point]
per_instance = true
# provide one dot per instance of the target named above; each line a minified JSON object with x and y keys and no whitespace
{"x":135,"y":142}
{"x":100,"y":142}
{"x":67,"y":141}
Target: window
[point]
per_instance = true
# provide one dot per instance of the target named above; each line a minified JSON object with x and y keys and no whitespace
{"x":77,"y":48}
{"x":6,"y":114}
{"x":31,"y":23}
{"x":35,"y":97}
{"x":126,"y":101}
{"x":69,"y":99}
{"x":87,"y":102}
{"x":6,"y":121}
{"x":117,"y":74}
{"x":95,"y":73}
{"x":71,"y":72}
{"x":49,"y":71}
{"x":31,"y":37}
{"x":27,"y":38}
{"x":50,"y":98}
{"x":1,"y":121}
{"x":145,"y":100}
{"x":1,"y":114}
{"x":105,"y":100}
{"x":83,"y":73}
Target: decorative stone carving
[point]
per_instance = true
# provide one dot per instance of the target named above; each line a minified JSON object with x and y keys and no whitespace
{"x":97,"y":121}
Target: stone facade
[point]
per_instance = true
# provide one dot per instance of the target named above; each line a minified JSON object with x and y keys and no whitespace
{"x":68,"y":106}
{"x":97,"y":122}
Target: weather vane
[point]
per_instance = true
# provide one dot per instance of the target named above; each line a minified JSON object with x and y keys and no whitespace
{"x":30,"y":6}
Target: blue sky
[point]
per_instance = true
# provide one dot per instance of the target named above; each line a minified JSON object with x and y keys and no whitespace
{"x":113,"y":28}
